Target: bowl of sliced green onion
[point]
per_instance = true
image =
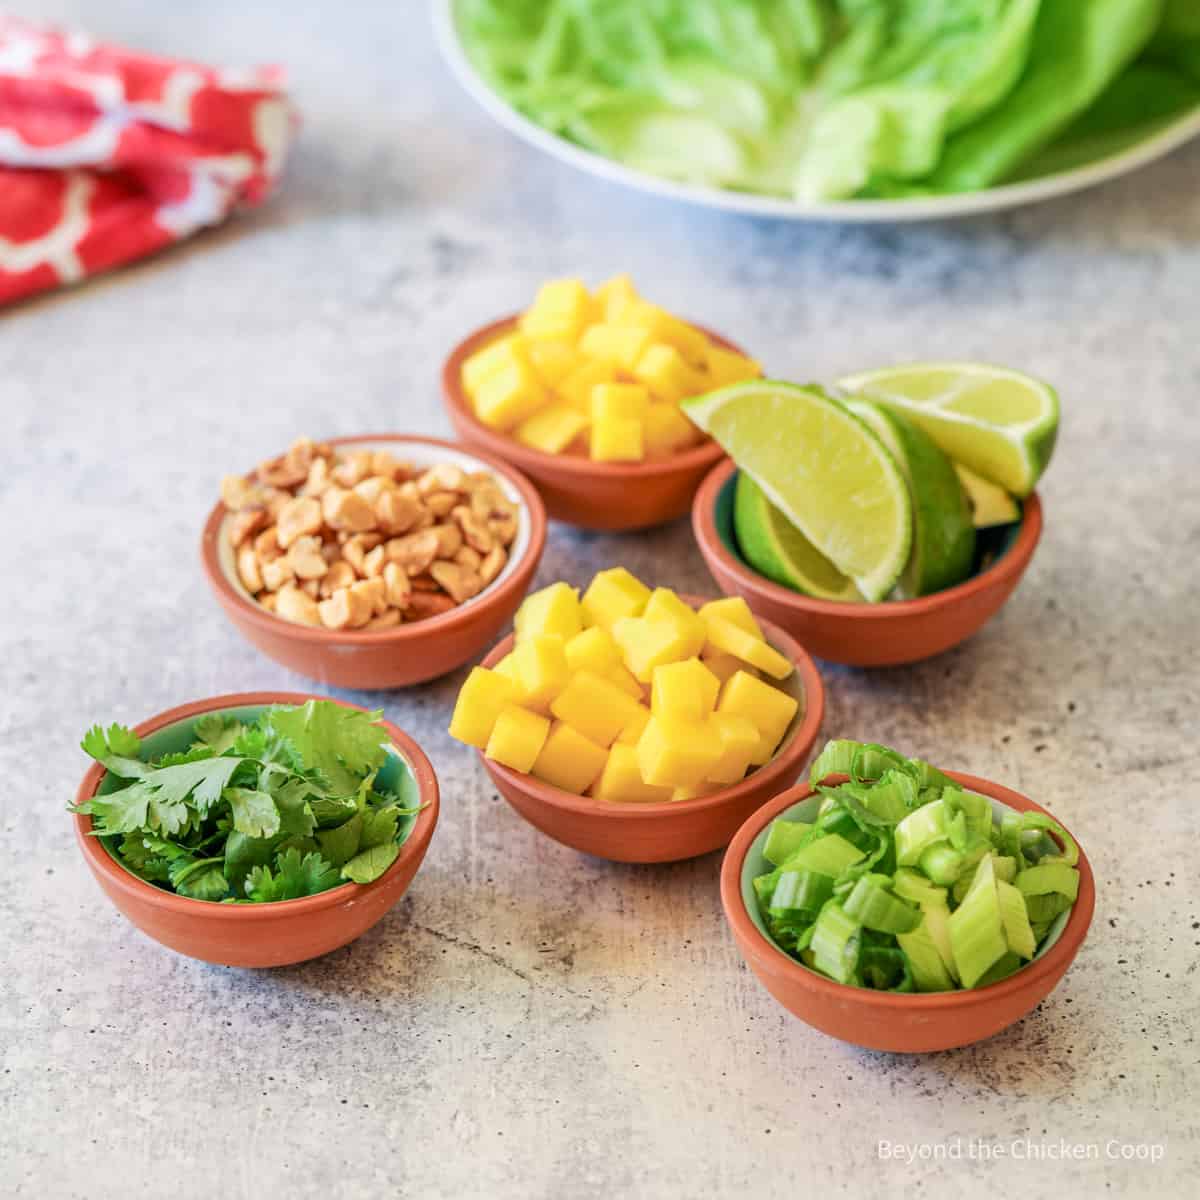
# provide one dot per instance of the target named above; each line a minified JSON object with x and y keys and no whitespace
{"x":900,"y":907}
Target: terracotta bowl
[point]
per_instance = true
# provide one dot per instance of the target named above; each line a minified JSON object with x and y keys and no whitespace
{"x":591,"y":495}
{"x":866,"y":635}
{"x":255,"y":935}
{"x":407,"y":654}
{"x":666,"y":832}
{"x":888,"y":1020}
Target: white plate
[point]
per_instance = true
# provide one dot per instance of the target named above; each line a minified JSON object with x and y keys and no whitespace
{"x":919,"y":208}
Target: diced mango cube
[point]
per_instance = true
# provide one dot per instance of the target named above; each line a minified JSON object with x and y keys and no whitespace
{"x":667,"y":374}
{"x":770,"y":709}
{"x":595,"y":706}
{"x":735,"y":609}
{"x":621,"y":779}
{"x":552,"y":429}
{"x":553,"y":360}
{"x":612,"y":295}
{"x":541,"y":669}
{"x":726,"y":367}
{"x":503,"y":352}
{"x":724,"y":635}
{"x":665,"y":605}
{"x":593,"y":650}
{"x":621,"y":676}
{"x":686,"y":690}
{"x":618,"y":439}
{"x":561,"y":310}
{"x":619,"y":400}
{"x":517,"y":738}
{"x":480,"y":701}
{"x":740,"y":742}
{"x":619,"y":345}
{"x":576,"y":388}
{"x":723,"y":665}
{"x":634,"y":727}
{"x":506,"y":668}
{"x":664,"y":327}
{"x":667,"y":430}
{"x":648,"y":644}
{"x":509,"y":395}
{"x":674,"y":753}
{"x":611,"y":595}
{"x":695,"y":790}
{"x":569,"y":760}
{"x":551,"y":610}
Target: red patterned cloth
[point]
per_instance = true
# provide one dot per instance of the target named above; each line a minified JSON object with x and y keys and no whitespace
{"x":107,"y":155}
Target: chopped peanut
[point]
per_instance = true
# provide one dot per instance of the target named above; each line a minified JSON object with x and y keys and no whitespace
{"x":445,"y":477}
{"x":399,"y":586}
{"x":354,"y":468}
{"x":449,"y":539}
{"x":238,"y":493}
{"x":245,"y":522}
{"x":492,"y":564}
{"x":276,"y":573}
{"x":248,"y":572}
{"x":374,"y":562}
{"x":397,"y":512}
{"x":356,"y":549}
{"x":306,"y":558}
{"x":293,"y":605}
{"x":344,"y":509}
{"x":468,"y":558}
{"x":340,"y":575}
{"x":474,"y":530}
{"x":386,"y":620}
{"x":266,"y":545}
{"x":297,"y":519}
{"x":429,"y":604}
{"x":415,"y":551}
{"x":460,"y":583}
{"x":440,"y":503}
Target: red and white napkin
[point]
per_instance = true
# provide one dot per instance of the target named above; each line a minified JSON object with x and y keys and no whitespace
{"x":107,"y":155}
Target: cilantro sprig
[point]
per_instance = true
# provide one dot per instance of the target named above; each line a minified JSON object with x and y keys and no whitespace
{"x":287,"y":806}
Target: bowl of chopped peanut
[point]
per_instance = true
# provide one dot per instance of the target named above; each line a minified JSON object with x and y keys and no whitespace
{"x":375,"y":561}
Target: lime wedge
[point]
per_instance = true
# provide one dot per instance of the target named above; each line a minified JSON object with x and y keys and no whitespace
{"x":990,"y":505}
{"x":943,"y":546}
{"x":999,"y":423}
{"x":823,"y":468}
{"x":774,"y":547}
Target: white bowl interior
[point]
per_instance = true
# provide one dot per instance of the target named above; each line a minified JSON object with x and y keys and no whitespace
{"x":421,"y":455}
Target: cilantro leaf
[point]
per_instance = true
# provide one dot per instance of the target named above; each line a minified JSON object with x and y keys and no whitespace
{"x":243,"y":853}
{"x":254,"y":812}
{"x":367,"y":865}
{"x":295,"y":813}
{"x":217,"y":732}
{"x":293,"y":877}
{"x":342,"y":743}
{"x":379,"y":826}
{"x":341,"y":844}
{"x":199,"y":878}
{"x":116,"y":748}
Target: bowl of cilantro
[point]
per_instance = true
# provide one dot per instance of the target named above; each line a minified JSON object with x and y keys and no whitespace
{"x":258,"y":829}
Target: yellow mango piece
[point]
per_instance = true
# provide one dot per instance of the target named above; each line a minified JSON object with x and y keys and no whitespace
{"x":686,"y":690}
{"x":767,"y":707}
{"x":517,"y":738}
{"x":724,"y":635}
{"x":634,"y":727}
{"x":726,"y":367}
{"x":560,"y":310}
{"x":481,"y":699}
{"x":723,"y":665}
{"x":664,"y":328}
{"x":648,"y":644}
{"x":665,"y":605}
{"x":667,"y":374}
{"x":552,"y":359}
{"x":621,"y":779}
{"x":619,"y":345}
{"x":740,"y":741}
{"x":509,"y":395}
{"x":618,"y":439}
{"x":541,"y":669}
{"x":612,"y":295}
{"x":503,"y":352}
{"x":551,"y":610}
{"x":695,"y":791}
{"x":674,"y":753}
{"x":613,"y":594}
{"x":569,"y":760}
{"x":593,"y":650}
{"x":576,"y":388}
{"x":552,"y":429}
{"x":667,"y":430}
{"x":736,"y":610}
{"x":619,"y":675}
{"x":595,"y":706}
{"x":619,"y":400}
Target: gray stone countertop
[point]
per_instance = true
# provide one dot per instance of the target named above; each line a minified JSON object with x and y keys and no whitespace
{"x":529,"y":1022}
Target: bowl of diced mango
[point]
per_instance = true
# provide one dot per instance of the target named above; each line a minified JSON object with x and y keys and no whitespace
{"x":582,"y":392}
{"x":636,"y":724}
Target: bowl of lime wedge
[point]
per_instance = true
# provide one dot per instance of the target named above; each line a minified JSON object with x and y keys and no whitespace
{"x":885,"y":519}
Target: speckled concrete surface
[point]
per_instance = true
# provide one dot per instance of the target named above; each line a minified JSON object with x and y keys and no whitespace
{"x":528,"y":1022}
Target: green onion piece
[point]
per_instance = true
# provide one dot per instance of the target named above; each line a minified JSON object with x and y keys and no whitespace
{"x":764,"y":887}
{"x":783,"y":840}
{"x":937,"y":921}
{"x":928,"y":776}
{"x":1010,"y":836}
{"x":977,"y":929}
{"x":871,"y":761}
{"x":942,"y":864}
{"x":874,"y":907}
{"x":977,"y":811}
{"x":799,"y":892}
{"x":971,"y":859}
{"x":1049,"y":877}
{"x":1015,"y":918}
{"x":892,"y":798}
{"x":1043,"y":909}
{"x":924,"y":959}
{"x":918,"y":831}
{"x":885,"y":969}
{"x":836,"y":759}
{"x":1005,"y":867}
{"x":828,"y":855}
{"x":956,"y":830}
{"x":1002,"y":968}
{"x":912,"y":885}
{"x":1035,"y":820}
{"x":835,"y":943}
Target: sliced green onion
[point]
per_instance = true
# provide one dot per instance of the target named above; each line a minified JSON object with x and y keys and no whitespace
{"x":835,"y":943}
{"x":800,"y":891}
{"x":836,"y":759}
{"x":977,"y":929}
{"x":924,"y":959}
{"x":1049,"y":877}
{"x":928,"y":776}
{"x":943,"y":864}
{"x":783,"y":840}
{"x":1015,"y":918}
{"x":1002,"y":968}
{"x":937,"y":921}
{"x":885,"y":968}
{"x":1010,"y":836}
{"x":1035,"y":820}
{"x":893,"y":797}
{"x":1043,"y":909}
{"x":874,"y":907}
{"x":912,"y":885}
{"x":918,"y":831}
{"x":871,"y":761}
{"x":829,"y":855}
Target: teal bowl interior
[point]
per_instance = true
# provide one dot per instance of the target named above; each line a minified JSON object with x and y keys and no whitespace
{"x":396,"y":773}
{"x":990,"y":544}
{"x":806,"y":810}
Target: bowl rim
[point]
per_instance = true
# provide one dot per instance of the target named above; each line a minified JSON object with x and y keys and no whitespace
{"x":1009,"y":566}
{"x":447,"y":622}
{"x":754,"y":945}
{"x":708,"y":452}
{"x":794,"y":753}
{"x":137,"y":889}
